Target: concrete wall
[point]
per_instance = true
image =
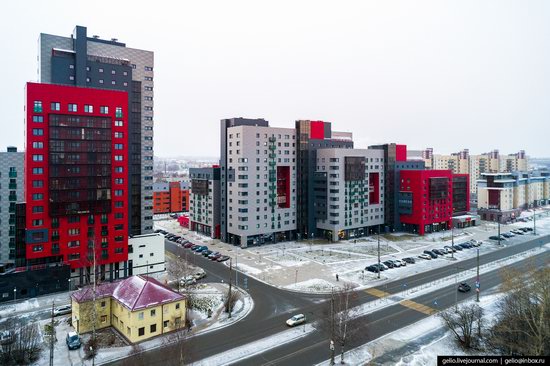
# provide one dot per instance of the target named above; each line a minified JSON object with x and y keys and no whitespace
{"x":10,"y":161}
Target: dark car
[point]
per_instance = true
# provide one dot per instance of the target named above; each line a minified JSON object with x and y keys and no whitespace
{"x":438,"y":251}
{"x":409,"y":260}
{"x":389,"y":264}
{"x":464,"y":287}
{"x":430,"y":253}
{"x":214,"y":256}
{"x":201,"y":249}
{"x":465,"y":245}
{"x":188,"y":245}
{"x":223,"y":258}
{"x":506,"y":235}
{"x":73,"y":340}
{"x":372,"y":268}
{"x":175,"y":238}
{"x":206,"y":253}
{"x":195,"y":247}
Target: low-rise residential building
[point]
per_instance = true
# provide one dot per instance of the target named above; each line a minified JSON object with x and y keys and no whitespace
{"x":138,"y":307}
{"x":11,"y":192}
{"x":502,"y":196}
{"x":204,"y":201}
{"x":170,"y":197}
{"x":349,"y":192}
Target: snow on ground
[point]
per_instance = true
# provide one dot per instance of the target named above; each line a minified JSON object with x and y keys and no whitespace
{"x":248,"y":350}
{"x":312,"y":285}
{"x":415,"y":345}
{"x":248,"y":269}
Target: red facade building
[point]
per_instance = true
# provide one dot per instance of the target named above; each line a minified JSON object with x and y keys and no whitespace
{"x":425,"y":200}
{"x":170,"y":197}
{"x":76,"y":177}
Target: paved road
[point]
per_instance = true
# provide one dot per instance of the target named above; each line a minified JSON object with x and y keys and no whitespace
{"x":314,"y":348}
{"x":272,"y":306}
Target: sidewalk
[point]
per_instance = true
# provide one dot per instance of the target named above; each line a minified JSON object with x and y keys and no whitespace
{"x":34,"y":304}
{"x":312,"y":266}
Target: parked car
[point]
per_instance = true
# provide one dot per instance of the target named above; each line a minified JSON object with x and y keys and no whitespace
{"x":517,"y":232}
{"x":214,"y":255}
{"x":465,"y":245}
{"x":529,"y":228}
{"x":507,"y":235}
{"x":439,"y":251}
{"x":396,"y":262}
{"x":372,"y":268}
{"x":425,"y":256}
{"x":389,"y":264}
{"x":73,"y":340}
{"x":6,"y":337}
{"x":62,"y":310}
{"x":206,"y":253}
{"x":430,"y":253}
{"x":188,"y":245}
{"x":188,"y":280}
{"x":194,"y":246}
{"x":175,"y":238}
{"x":223,"y":258}
{"x":200,"y":274}
{"x":403,"y":263}
{"x":464,"y":287}
{"x":449,"y":248}
{"x":296,"y":320}
{"x":409,"y":260}
{"x":201,"y":249}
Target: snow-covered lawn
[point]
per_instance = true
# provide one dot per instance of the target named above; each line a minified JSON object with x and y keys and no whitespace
{"x":313,"y":285}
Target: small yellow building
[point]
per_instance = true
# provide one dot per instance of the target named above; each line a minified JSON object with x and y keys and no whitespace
{"x":138,"y":307}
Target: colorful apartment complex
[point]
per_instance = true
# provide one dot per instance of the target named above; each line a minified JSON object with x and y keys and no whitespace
{"x":76,"y":189}
{"x":502,"y":196}
{"x":170,"y":197}
{"x":138,"y":307}
{"x":204,"y":212}
{"x":425,"y":200}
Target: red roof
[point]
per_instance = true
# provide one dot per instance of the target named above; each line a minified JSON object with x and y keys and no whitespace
{"x":135,"y":293}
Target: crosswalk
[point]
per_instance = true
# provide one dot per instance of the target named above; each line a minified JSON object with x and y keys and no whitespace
{"x":406,"y":303}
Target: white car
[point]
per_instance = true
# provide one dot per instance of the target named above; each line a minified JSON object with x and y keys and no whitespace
{"x":425,"y":256}
{"x":401,"y":261}
{"x":62,"y":310}
{"x":296,"y":320}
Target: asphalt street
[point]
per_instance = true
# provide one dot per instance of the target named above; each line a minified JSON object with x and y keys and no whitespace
{"x":272,"y":306}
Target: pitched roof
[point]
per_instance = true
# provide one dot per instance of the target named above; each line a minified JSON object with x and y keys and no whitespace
{"x":135,"y":293}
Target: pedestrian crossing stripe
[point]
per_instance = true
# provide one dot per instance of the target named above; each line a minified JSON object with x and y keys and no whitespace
{"x":376,"y":292}
{"x":418,"y":307}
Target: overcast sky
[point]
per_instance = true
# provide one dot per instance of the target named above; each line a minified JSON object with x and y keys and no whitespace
{"x":441,"y":74}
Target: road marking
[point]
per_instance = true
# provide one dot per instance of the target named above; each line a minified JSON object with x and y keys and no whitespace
{"x":418,"y":307}
{"x":376,"y":292}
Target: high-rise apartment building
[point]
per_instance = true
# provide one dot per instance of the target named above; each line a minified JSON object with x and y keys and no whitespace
{"x":11,"y":192}
{"x":204,"y":201}
{"x":91,"y":62}
{"x":76,"y":178}
{"x":170,"y":197}
{"x":348,"y":192}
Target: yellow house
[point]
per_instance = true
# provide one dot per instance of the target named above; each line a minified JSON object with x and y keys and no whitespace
{"x":138,"y":307}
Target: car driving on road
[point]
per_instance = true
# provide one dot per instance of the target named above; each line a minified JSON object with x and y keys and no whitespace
{"x":62,"y":310}
{"x":296,"y":320}
{"x":464,"y":287}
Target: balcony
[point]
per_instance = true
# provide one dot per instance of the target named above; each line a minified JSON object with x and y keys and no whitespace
{"x":12,"y":198}
{"x":272,"y":163}
{"x":12,"y":174}
{"x":272,"y":156}
{"x":37,"y":109}
{"x":272,"y":139}
{"x":13,"y":185}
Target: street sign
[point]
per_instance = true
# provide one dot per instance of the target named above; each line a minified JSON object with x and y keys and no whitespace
{"x":477,"y":284}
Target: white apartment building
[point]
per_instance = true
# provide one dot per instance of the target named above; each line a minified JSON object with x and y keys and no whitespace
{"x":349,"y":192}
{"x":261,"y":184}
{"x":146,"y":254}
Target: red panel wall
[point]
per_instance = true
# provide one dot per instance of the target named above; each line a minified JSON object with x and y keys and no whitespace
{"x":426,"y":211}
{"x":283,"y":186}
{"x":317,"y":130}
{"x":401,"y":152}
{"x":494,"y":198}
{"x":374,"y":188}
{"x":48,"y":93}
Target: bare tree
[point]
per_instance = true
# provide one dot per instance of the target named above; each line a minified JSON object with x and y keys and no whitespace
{"x":23,"y":346}
{"x":178,"y":269}
{"x":338,"y":319}
{"x":230,"y":299}
{"x":466,"y":324}
{"x":523,"y":326}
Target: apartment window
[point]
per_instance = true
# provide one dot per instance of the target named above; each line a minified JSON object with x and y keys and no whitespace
{"x":71,"y":78}
{"x":119,"y":135}
{"x":118,"y":192}
{"x":55,"y":106}
{"x":38,"y":119}
{"x":37,"y":132}
{"x":88,"y":108}
{"x":141,"y":331}
{"x":153,"y":328}
{"x":119,"y":146}
{"x":101,"y":81}
{"x":37,"y":106}
{"x":148,"y":88}
{"x":119,"y":181}
{"x":125,"y":73}
{"x":104,"y":318}
{"x":37,"y":222}
{"x":148,"y":78}
{"x":148,"y":68}
{"x":119,"y":123}
{"x":88,"y":80}
{"x":72,"y":107}
{"x":38,"y":209}
{"x":38,"y":157}
{"x":38,"y":183}
{"x":177,"y":306}
{"x":104,"y":109}
{"x":153,"y":312}
{"x":118,"y":157}
{"x":119,"y":169}
{"x":37,"y":170}
{"x":37,"y":248}
{"x":103,"y":304}
{"x":113,"y":82}
{"x":113,"y":72}
{"x":100,"y":69}
{"x":37,"y":196}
